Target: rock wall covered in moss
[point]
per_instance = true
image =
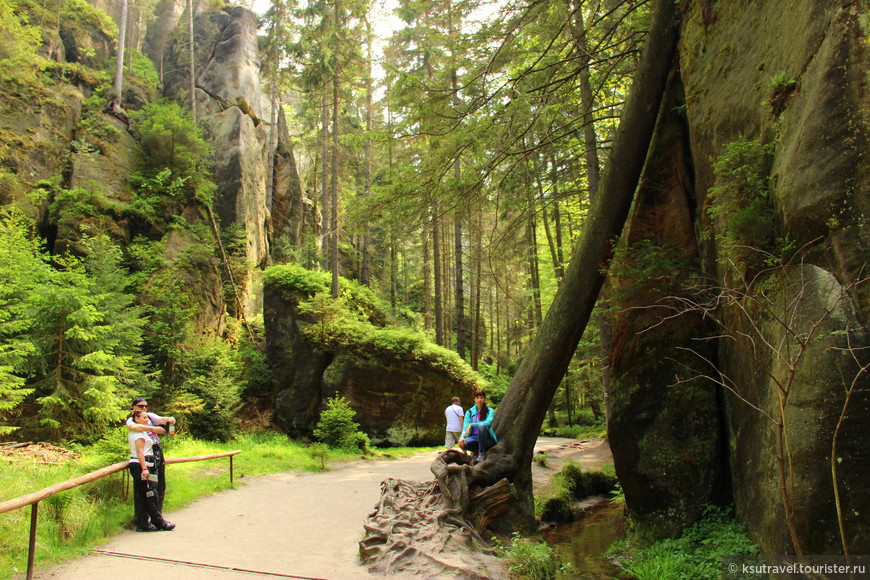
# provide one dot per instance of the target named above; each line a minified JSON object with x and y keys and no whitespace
{"x":781,"y":96}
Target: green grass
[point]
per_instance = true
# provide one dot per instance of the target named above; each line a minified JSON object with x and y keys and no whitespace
{"x":696,"y":555}
{"x":529,"y":559}
{"x":597,"y":430}
{"x":74,"y":521}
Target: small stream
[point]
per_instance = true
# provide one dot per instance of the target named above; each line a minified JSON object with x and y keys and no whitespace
{"x":582,"y":543}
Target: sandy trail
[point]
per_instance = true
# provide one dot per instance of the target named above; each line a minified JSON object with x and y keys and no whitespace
{"x":287,"y":525}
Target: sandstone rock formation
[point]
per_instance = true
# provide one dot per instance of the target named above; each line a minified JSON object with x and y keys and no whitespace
{"x":396,"y":401}
{"x":795,"y":82}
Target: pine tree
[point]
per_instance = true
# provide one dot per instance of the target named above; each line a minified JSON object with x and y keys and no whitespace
{"x":88,"y":344}
{"x":22,"y":271}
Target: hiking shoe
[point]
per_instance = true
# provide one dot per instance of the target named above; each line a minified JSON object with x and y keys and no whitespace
{"x":481,"y":457}
{"x":167,"y":526}
{"x":146,"y":528}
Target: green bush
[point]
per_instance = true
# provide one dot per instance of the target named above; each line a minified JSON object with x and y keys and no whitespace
{"x":337,"y":427}
{"x":171,"y":141}
{"x":527,"y":559}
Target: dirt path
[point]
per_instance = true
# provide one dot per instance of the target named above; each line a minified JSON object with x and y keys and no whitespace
{"x":285,"y":525}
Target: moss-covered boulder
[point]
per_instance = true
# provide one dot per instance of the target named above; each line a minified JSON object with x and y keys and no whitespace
{"x":395,"y":379}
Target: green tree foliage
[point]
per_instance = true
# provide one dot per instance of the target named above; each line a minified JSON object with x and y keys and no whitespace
{"x":23,"y":271}
{"x":212,"y":375}
{"x":88,"y":344}
{"x":20,"y":39}
{"x":164,"y":289}
{"x":337,"y":427}
{"x":171,"y":141}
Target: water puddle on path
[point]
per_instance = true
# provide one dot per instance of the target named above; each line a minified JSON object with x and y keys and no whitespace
{"x":582,"y":543}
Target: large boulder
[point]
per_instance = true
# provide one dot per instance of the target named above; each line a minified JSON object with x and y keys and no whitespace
{"x":665,"y":436}
{"x":398,"y":398}
{"x":809,"y":373}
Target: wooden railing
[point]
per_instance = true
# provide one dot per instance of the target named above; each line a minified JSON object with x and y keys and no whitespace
{"x":33,"y":499}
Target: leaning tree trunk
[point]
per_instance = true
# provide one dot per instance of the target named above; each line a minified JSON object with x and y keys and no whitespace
{"x":472,"y":495}
{"x":519,"y":417}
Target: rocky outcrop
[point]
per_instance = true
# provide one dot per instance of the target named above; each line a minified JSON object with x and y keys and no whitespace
{"x":668,"y":441}
{"x":796,"y":82}
{"x":397,"y":401}
{"x":230,"y":106}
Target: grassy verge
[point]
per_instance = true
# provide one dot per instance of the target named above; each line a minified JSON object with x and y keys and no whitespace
{"x":595,"y":430}
{"x":556,"y":503}
{"x":696,"y":554}
{"x":74,"y":521}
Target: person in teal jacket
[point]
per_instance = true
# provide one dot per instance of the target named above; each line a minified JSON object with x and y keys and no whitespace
{"x":477,"y":433}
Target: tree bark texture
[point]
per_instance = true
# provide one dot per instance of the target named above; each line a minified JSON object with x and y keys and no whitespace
{"x":521,"y":413}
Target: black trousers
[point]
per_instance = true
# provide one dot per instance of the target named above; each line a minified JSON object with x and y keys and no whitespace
{"x":146,"y":498}
{"x":157,"y":450}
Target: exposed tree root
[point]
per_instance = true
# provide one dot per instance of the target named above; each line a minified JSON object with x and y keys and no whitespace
{"x":433,"y":529}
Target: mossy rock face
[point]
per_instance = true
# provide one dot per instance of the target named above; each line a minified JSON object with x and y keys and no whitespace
{"x":816,"y":397}
{"x":37,"y":130}
{"x":795,"y":80}
{"x":667,"y":453}
{"x":108,"y":171}
{"x":665,"y":436}
{"x":404,"y":400}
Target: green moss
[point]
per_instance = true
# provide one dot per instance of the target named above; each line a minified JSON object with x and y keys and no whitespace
{"x":359,"y":323}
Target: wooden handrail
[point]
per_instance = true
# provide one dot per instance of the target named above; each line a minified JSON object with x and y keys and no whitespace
{"x":31,"y":498}
{"x":169,"y":460}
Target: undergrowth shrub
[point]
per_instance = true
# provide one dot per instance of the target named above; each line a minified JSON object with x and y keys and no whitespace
{"x":337,"y":427}
{"x":529,"y":559}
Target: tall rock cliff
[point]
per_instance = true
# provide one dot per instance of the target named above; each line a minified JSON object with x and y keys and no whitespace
{"x":231,"y":108}
{"x":760,"y":180}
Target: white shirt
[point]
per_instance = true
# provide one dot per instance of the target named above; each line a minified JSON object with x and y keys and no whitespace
{"x":153,"y":419}
{"x":132,"y":437}
{"x":454,"y":415}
